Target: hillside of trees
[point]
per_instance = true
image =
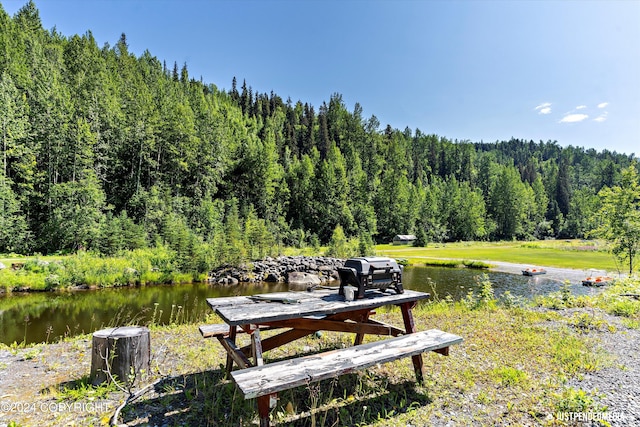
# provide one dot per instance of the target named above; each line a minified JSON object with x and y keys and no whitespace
{"x":106,"y":151}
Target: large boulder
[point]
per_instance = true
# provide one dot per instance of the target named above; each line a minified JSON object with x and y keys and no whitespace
{"x":272,"y":276}
{"x":301,"y":279}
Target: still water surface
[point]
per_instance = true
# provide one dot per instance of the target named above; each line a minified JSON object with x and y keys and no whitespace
{"x":45,"y":317}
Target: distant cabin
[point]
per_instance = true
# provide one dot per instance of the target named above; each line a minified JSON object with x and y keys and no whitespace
{"x":403,"y":239}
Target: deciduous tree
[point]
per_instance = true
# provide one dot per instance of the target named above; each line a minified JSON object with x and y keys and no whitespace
{"x":620,"y":217}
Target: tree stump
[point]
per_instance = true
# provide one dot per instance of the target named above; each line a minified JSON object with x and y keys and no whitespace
{"x":122,"y":352}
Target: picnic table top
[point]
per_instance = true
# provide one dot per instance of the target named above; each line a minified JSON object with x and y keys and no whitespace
{"x":271,"y":307}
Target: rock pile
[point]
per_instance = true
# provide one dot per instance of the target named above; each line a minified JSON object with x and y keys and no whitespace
{"x":295,"y":270}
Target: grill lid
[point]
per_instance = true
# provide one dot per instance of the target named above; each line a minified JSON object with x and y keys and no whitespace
{"x":370,"y":273}
{"x":373,"y":265}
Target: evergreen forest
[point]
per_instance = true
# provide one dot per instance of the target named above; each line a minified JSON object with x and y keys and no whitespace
{"x":106,"y":151}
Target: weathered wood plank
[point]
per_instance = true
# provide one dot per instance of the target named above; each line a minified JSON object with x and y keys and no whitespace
{"x":294,"y":334}
{"x":223,"y":301}
{"x":264,"y":298}
{"x":234,"y":354}
{"x":280,"y":339}
{"x":338,"y":326}
{"x":208,"y":331}
{"x":394,"y":330}
{"x":223,"y":330}
{"x":309,"y":304}
{"x":271,"y":378}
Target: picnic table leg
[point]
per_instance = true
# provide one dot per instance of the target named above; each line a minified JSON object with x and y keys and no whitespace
{"x":263,"y":410}
{"x":360,"y":336}
{"x":410,"y":327}
{"x":229,"y":367}
{"x":256,"y":348}
{"x":264,"y":402}
{"x":264,"y":407}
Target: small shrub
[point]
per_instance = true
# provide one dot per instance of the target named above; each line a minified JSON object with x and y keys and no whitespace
{"x":51,"y":282}
{"x":624,"y":308}
{"x":575,"y":355}
{"x":486,"y":294}
{"x":561,"y":299}
{"x":508,"y":376}
{"x":572,"y":400}
{"x":486,"y":297}
{"x":631,"y":323}
{"x":82,"y":389}
{"x":565,"y":293}
{"x":509,"y":300}
{"x":588,"y":321}
{"x":36,"y":266}
{"x":476,"y":264}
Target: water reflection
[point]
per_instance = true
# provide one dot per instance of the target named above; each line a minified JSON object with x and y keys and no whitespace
{"x":457,"y":282}
{"x":41,"y":317}
{"x":45,"y":317}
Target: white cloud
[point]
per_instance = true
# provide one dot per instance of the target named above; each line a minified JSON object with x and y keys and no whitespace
{"x":581,"y":107}
{"x":574,"y":118}
{"x":603,"y":104}
{"x":544,"y":108}
{"x":601,"y":118}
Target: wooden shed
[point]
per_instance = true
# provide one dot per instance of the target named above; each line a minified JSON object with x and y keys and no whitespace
{"x":404,"y":239}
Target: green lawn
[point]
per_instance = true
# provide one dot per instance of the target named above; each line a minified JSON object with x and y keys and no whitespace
{"x":564,"y":254}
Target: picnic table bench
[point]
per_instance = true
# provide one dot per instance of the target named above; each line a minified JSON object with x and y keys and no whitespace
{"x":304,"y":313}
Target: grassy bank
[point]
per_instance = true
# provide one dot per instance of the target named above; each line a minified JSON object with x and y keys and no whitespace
{"x":139,"y":267}
{"x":161,"y":265}
{"x":575,"y":254}
{"x":512,"y":369}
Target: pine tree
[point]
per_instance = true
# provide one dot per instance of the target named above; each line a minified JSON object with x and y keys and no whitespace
{"x":563,"y":194}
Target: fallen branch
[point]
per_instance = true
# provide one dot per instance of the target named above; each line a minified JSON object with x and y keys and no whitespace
{"x":636,"y":296}
{"x":131,"y":398}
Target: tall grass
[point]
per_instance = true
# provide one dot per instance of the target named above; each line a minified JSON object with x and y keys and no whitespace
{"x":138,"y":267}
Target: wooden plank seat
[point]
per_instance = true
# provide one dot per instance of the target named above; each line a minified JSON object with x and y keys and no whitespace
{"x":216,"y":330}
{"x":222,"y":330}
{"x":371,"y":326}
{"x":265,"y":380}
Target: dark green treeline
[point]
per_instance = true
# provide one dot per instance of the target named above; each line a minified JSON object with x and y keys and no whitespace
{"x":107,"y":151}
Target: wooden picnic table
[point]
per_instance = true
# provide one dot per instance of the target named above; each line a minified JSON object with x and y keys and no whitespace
{"x":303,"y":313}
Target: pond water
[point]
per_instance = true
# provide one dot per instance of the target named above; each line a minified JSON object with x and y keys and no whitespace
{"x":45,"y":317}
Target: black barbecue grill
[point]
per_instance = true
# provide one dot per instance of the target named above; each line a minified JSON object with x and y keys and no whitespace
{"x":370,"y":273}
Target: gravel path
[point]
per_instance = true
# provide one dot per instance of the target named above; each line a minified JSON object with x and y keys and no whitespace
{"x":618,"y":386}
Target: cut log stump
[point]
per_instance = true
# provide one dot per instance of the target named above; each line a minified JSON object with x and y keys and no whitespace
{"x":122,"y":353}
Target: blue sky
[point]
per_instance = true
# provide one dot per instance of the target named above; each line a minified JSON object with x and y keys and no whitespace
{"x":467,"y":70}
